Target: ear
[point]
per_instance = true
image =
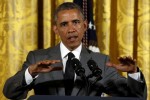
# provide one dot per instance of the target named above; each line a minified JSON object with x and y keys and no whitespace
{"x":85,"y":25}
{"x":55,"y":29}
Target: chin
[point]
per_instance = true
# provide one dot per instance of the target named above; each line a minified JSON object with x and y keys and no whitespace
{"x":73,"y":46}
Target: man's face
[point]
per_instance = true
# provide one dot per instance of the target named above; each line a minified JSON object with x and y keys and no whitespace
{"x":71,"y":27}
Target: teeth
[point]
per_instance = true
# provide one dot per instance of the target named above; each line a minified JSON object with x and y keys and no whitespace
{"x":72,"y":37}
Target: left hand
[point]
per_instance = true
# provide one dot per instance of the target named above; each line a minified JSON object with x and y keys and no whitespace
{"x":127,"y":64}
{"x":43,"y":67}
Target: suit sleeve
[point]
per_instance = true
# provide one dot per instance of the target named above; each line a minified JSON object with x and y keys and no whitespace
{"x":115,"y":84}
{"x":16,"y":87}
{"x":138,"y":87}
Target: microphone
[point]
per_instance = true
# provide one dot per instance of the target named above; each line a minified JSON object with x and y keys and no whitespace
{"x":96,"y":71}
{"x":79,"y":70}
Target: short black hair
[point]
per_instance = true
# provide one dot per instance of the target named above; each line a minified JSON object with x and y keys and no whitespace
{"x":67,"y":6}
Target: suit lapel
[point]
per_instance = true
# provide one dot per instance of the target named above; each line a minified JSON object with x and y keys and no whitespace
{"x":55,"y":54}
{"x":85,"y":56}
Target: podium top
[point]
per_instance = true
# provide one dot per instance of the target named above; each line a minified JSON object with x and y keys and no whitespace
{"x":49,"y":97}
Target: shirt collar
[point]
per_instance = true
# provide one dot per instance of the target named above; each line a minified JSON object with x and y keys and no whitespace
{"x":64,"y":51}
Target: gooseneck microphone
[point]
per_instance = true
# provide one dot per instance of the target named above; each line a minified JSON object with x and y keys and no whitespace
{"x":96,"y":71}
{"x":79,"y":70}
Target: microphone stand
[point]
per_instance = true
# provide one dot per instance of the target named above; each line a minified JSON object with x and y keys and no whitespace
{"x":91,"y":84}
{"x":80,"y":71}
{"x":87,"y":84}
{"x":96,"y":72}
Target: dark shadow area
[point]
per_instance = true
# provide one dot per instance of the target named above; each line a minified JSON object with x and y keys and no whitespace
{"x":40,"y":23}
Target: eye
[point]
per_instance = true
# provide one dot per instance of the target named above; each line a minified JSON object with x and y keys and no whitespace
{"x":63,"y":24}
{"x":76,"y":21}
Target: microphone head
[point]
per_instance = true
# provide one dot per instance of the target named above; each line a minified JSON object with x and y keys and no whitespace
{"x":77,"y":67}
{"x":91,"y":64}
{"x":96,"y":71}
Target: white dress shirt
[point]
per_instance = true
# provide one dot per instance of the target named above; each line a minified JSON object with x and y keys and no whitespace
{"x":64,"y":51}
{"x":64,"y":56}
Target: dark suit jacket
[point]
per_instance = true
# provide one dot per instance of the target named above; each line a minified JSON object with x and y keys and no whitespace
{"x":52,"y":83}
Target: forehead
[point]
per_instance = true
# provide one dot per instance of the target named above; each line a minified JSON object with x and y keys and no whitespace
{"x":69,"y":15}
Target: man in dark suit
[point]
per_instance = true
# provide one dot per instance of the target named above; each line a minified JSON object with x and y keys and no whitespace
{"x":44,"y":70}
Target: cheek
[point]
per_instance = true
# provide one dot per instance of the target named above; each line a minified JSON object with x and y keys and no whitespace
{"x":81,"y":36}
{"x":62,"y":35}
{"x":82,"y":28}
{"x":81,"y":31}
{"x":62,"y":32}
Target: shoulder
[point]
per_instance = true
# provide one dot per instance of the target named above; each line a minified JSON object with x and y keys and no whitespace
{"x":43,"y":54}
{"x":98,"y":56}
{"x":45,"y":51}
{"x":41,"y":51}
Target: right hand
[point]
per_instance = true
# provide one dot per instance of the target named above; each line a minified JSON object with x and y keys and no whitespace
{"x":127,"y":64}
{"x":43,"y":67}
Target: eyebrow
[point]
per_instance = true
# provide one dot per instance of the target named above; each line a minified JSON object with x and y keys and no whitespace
{"x":76,"y":20}
{"x":65,"y":22}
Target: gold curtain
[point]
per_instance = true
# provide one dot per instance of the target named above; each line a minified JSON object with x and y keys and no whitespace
{"x":123,"y":28}
{"x":18,"y":35}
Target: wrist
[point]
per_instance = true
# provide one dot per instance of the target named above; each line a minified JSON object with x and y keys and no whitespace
{"x":31,"y":72}
{"x":136,"y":69}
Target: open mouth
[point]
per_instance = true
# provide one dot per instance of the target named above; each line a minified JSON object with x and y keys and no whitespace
{"x":72,"y":38}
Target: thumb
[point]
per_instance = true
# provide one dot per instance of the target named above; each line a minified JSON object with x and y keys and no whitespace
{"x":110,"y":64}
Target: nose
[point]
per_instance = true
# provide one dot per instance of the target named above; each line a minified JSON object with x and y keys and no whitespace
{"x":71,"y":28}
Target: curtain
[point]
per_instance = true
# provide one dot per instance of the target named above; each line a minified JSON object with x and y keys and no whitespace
{"x":122,"y":27}
{"x":18,"y":35}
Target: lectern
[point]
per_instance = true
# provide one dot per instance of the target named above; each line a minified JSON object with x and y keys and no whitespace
{"x":49,"y":97}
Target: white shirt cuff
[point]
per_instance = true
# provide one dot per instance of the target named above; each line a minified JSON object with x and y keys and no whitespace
{"x":28,"y":77}
{"x":135,"y":76}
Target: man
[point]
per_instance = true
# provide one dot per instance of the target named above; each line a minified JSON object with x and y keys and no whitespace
{"x":43,"y":71}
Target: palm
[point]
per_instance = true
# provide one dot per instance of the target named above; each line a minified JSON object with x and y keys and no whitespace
{"x":127,"y":64}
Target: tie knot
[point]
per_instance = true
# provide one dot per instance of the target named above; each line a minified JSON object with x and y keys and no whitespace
{"x":70,"y":55}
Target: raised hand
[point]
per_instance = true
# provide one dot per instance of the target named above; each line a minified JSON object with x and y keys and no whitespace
{"x":43,"y":67}
{"x":127,"y":64}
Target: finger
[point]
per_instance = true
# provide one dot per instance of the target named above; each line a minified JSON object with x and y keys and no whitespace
{"x":127,"y":60}
{"x":131,"y":60}
{"x":48,"y":62}
{"x":50,"y":68}
{"x":109,"y":64}
{"x":117,"y":67}
{"x":57,"y":68}
{"x":122,"y":68}
{"x":54,"y":61}
{"x":47,"y":69}
{"x":123,"y":60}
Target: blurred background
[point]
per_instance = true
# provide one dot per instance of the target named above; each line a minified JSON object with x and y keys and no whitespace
{"x":122,"y":28}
